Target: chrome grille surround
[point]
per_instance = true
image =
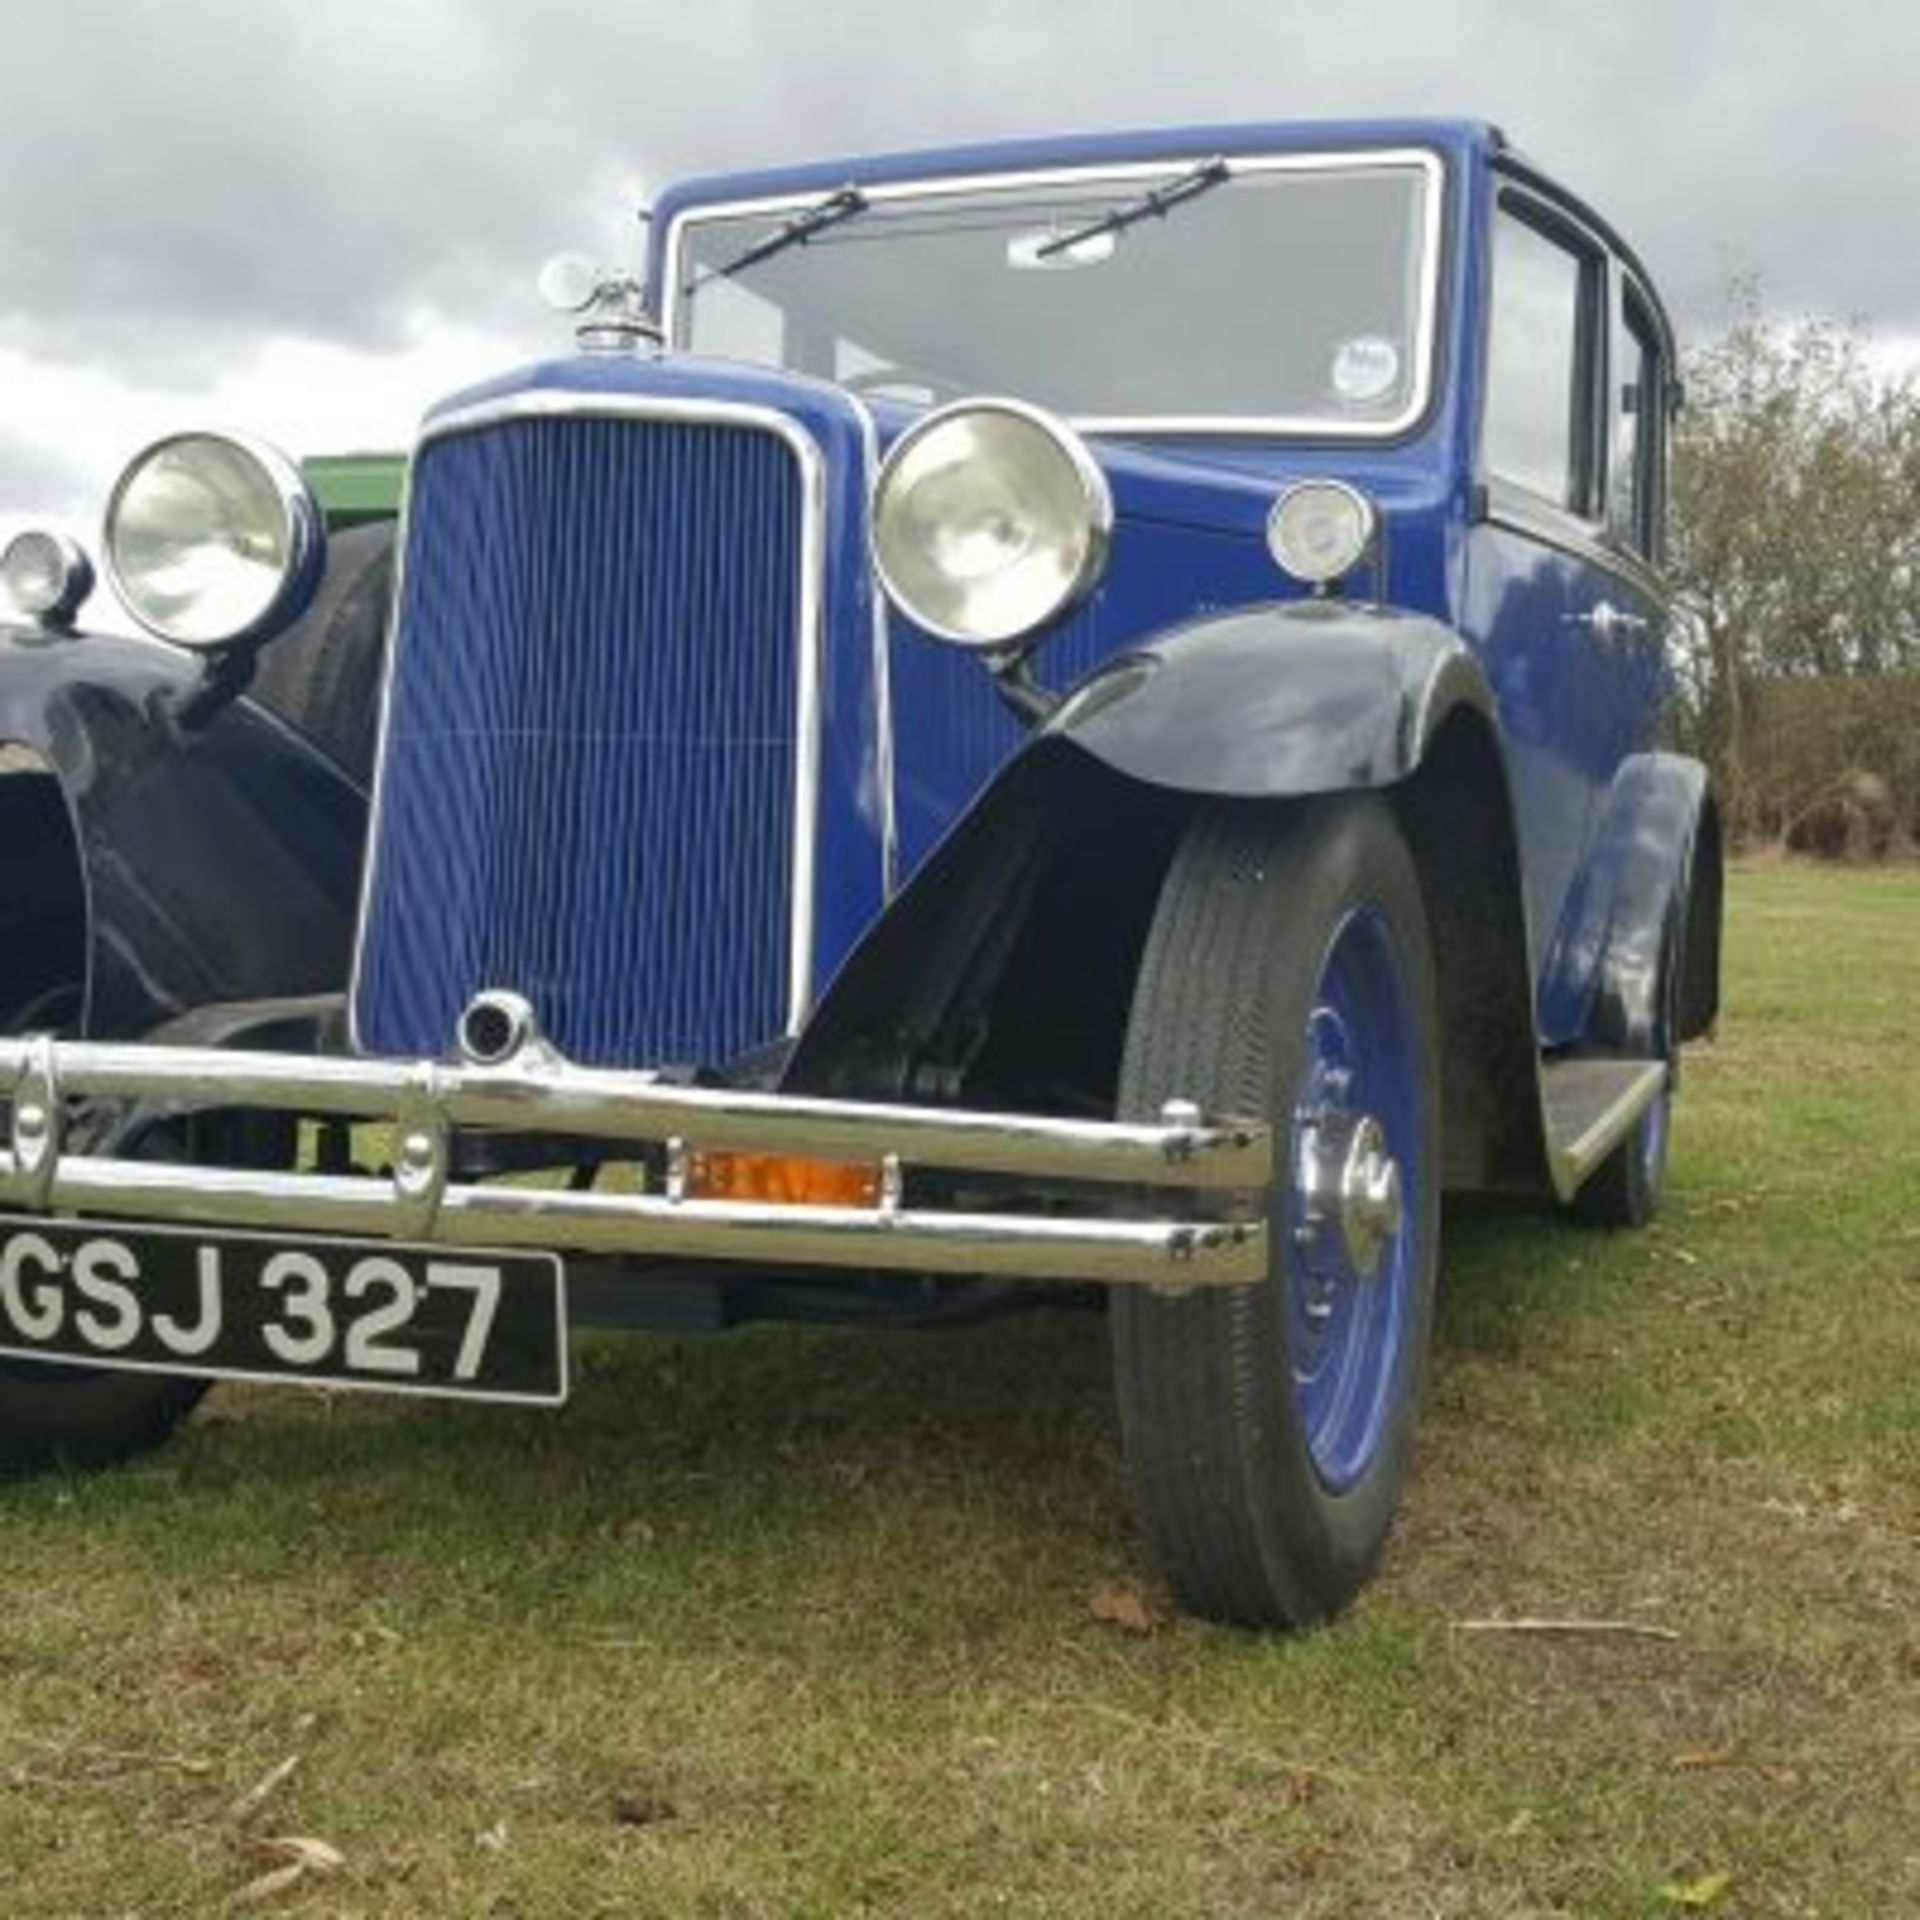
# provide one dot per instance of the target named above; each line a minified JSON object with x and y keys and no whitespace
{"x":545,"y":403}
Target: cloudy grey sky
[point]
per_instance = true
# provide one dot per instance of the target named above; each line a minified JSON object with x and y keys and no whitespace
{"x":308,"y":217}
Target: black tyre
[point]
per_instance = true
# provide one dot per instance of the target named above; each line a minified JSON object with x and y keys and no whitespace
{"x":1267,"y":1428}
{"x":53,"y":1415}
{"x":1626,"y":1189}
{"x":1630,"y":1183}
{"x":323,"y":677}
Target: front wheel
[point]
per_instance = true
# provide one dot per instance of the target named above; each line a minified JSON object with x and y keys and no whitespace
{"x":60,"y":1415}
{"x":1267,"y":1428}
{"x":78,"y":1416}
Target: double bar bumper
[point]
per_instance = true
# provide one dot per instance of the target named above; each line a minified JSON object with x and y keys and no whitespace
{"x":1173,"y":1205}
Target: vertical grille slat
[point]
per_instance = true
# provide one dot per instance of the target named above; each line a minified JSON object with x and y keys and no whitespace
{"x":588,"y":767}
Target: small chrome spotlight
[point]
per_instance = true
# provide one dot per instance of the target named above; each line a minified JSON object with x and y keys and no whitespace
{"x":47,"y":576}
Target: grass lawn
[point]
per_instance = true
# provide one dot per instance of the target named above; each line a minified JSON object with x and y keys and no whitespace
{"x":817,"y":1624}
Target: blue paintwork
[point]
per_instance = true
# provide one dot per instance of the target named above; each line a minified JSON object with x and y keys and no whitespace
{"x":1571,"y":707}
{"x":698,"y":987}
{"x":1190,"y":515}
{"x":554,"y":570}
{"x":1190,"y":540}
{"x":1458,"y":140}
{"x":1189,"y":544}
{"x":853,"y":805}
{"x":1191,"y":520}
{"x":1605,"y":970}
{"x":1347,"y":1331}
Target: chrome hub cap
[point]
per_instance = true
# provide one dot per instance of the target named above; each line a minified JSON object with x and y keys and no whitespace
{"x":1350,"y":1194}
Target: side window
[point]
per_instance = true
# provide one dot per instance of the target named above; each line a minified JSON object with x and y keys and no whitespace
{"x":1636,"y":491}
{"x":1538,"y":431}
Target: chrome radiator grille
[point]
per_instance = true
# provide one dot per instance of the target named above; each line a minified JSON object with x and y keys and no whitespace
{"x":594,"y":750}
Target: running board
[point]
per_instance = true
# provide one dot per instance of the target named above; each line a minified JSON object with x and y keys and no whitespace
{"x":1591,"y":1105}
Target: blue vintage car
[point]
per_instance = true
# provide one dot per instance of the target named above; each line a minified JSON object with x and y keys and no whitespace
{"x":1075,"y":715}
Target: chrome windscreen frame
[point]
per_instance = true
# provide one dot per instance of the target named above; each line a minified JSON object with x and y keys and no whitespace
{"x":809,"y":638}
{"x":1425,"y":160}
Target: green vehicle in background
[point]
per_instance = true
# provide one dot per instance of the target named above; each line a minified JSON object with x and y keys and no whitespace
{"x":356,"y":489}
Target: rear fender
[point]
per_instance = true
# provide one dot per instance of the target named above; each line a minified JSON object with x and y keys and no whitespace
{"x":1649,"y":895}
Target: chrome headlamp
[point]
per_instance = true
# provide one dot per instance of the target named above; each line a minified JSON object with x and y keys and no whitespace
{"x":46,"y":575}
{"x":1320,"y":530}
{"x":212,"y":540}
{"x":990,"y":519}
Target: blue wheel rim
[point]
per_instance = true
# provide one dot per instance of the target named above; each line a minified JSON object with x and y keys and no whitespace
{"x":1347,"y":1329}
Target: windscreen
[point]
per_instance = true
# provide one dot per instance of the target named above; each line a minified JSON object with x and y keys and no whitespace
{"x":1293,"y":295}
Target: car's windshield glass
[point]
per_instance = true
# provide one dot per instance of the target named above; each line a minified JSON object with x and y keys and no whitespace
{"x":1292,"y":294}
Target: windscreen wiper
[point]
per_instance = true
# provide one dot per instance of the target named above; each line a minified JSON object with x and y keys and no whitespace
{"x":1150,"y":206}
{"x":840,"y":205}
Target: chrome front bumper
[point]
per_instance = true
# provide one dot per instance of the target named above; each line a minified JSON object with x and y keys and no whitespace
{"x":1174,"y":1205}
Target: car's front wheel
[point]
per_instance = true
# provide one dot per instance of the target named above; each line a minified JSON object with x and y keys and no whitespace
{"x":82,"y":1417}
{"x":1267,"y":1428}
{"x":55,"y":1415}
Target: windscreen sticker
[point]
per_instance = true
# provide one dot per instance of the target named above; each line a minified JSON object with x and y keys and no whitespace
{"x":1366,"y":368}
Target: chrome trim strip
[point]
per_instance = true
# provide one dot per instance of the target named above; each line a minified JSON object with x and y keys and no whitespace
{"x":560,"y":403}
{"x":390,"y":647}
{"x":1167,"y":1254}
{"x":1573,"y":1160}
{"x":883,"y":744}
{"x":540,"y":1091}
{"x":1426,"y":322}
{"x":1082,"y":1238}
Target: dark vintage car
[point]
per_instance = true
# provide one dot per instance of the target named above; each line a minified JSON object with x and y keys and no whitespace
{"x":1057,"y":720}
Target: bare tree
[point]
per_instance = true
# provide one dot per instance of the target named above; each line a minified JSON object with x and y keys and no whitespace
{"x":1797,"y":552}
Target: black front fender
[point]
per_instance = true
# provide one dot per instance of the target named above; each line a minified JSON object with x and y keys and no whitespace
{"x":217,"y":863}
{"x":1003,"y":973}
{"x":1274,"y":702}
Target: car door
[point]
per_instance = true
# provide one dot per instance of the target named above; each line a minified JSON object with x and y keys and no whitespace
{"x":1563,"y":611}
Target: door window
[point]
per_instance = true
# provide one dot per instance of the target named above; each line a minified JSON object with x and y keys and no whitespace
{"x":1636,"y":490}
{"x":1538,"y":423}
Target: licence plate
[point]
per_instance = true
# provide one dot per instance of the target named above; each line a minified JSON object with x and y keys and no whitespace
{"x":259,"y":1306}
